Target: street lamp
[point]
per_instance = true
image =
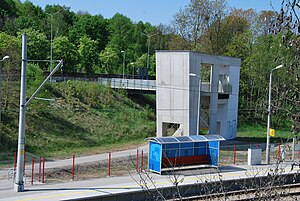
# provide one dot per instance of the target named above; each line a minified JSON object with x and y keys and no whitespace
{"x":148,"y":54}
{"x":269,"y":116}
{"x":4,"y":58}
{"x":198,"y":114}
{"x":51,"y":39}
{"x":123,"y":63}
{"x":132,"y":63}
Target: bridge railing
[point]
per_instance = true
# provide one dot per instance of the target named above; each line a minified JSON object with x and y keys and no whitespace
{"x":135,"y":84}
{"x":222,"y":88}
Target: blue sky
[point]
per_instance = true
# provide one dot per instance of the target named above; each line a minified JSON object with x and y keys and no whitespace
{"x":153,"y":11}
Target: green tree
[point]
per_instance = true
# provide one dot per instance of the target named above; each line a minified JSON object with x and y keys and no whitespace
{"x":8,"y":10}
{"x":62,"y":19}
{"x":38,"y":46}
{"x":31,"y":16}
{"x":10,"y":46}
{"x":94,"y":27}
{"x":89,"y":56}
{"x":109,"y":60}
{"x":64,"y":49}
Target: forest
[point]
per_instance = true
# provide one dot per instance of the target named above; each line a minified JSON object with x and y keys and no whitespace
{"x":92,"y":44}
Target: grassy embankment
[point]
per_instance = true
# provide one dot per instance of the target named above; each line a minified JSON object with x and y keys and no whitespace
{"x":84,"y":118}
{"x":87,"y":118}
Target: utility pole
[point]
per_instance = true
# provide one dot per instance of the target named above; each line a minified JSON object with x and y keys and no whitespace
{"x":19,"y":183}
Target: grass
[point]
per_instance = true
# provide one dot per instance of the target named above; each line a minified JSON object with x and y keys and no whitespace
{"x":257,"y":133}
{"x":85,"y":118}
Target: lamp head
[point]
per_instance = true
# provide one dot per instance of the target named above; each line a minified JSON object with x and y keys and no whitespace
{"x":193,"y":75}
{"x":277,"y":67}
{"x":122,"y":51}
{"x":6,"y":57}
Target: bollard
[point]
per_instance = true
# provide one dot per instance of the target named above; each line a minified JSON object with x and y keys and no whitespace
{"x":39,"y":172}
{"x":142,"y":162}
{"x":32,"y":171}
{"x":43,"y":170}
{"x":73,"y":167}
{"x":137,"y":160}
{"x":299,"y":154}
{"x":234,"y":153}
{"x":108,"y":171}
{"x":278,"y":151}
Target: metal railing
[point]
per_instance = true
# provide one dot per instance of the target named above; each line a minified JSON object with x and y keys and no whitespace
{"x":149,"y":85}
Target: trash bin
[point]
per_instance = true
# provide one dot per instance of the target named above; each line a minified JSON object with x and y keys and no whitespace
{"x":254,"y":156}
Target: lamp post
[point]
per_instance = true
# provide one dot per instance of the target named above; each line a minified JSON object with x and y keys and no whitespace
{"x":132,"y":64}
{"x":199,"y":87}
{"x":148,"y":54}
{"x":51,"y":40}
{"x":4,"y":58}
{"x":123,"y":51}
{"x":269,"y":116}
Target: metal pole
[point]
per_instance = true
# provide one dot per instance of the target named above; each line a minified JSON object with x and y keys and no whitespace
{"x":19,"y":183}
{"x":198,"y":115}
{"x":293,"y":149}
{"x":269,"y":122}
{"x":51,"y":46}
{"x":123,"y":63}
{"x":148,"y":59}
{"x":269,"y":116}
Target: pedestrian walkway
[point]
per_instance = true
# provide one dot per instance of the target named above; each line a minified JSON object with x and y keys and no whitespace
{"x":129,"y":184}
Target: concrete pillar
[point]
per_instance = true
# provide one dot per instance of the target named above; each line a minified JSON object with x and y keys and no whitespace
{"x":213,"y":109}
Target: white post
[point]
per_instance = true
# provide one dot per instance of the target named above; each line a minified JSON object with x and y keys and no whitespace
{"x":269,"y":122}
{"x":269,"y":116}
{"x":19,"y":183}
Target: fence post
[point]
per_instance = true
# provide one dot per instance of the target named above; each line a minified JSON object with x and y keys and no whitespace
{"x":137,"y":160}
{"x":142,"y":162}
{"x":43,"y":170}
{"x":278,"y":151}
{"x":39,"y":172}
{"x":73,"y":167}
{"x":108,"y":171}
{"x":32,"y":171}
{"x":234,"y":153}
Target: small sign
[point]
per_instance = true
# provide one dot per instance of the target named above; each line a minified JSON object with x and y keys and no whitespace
{"x":272,"y":132}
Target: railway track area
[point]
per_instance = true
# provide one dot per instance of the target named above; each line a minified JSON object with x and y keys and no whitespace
{"x":282,"y":193}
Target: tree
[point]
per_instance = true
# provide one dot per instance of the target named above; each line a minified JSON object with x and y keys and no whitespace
{"x":95,"y":27}
{"x":8,"y":10}
{"x":109,"y":60}
{"x":10,"y":46}
{"x":192,"y":21}
{"x":64,"y":49}
{"x":31,"y":16}
{"x":89,"y":56}
{"x":62,"y":20}
{"x":38,"y":46}
{"x":289,"y":26}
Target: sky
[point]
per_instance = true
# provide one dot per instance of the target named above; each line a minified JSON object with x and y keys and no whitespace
{"x":154,"y":11}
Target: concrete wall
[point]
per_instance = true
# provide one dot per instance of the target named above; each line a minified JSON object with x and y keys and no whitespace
{"x":177,"y":92}
{"x":172,"y":89}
